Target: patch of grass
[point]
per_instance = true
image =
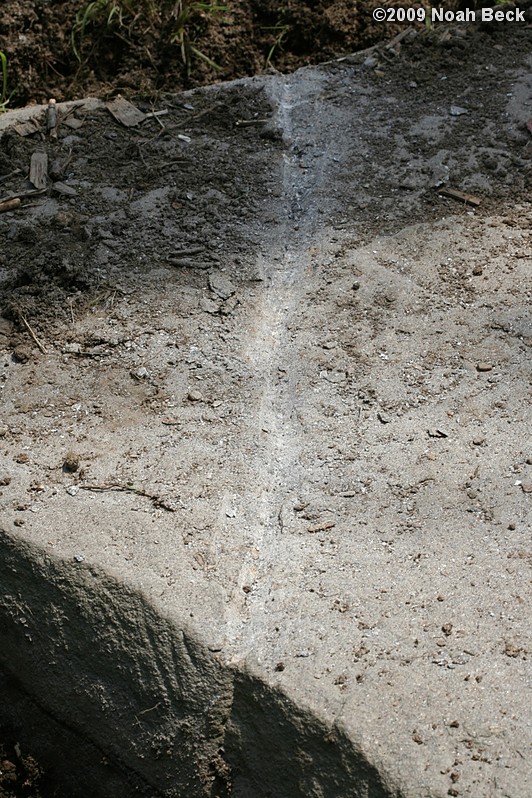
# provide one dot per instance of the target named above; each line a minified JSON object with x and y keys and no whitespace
{"x":184,"y":13}
{"x":107,"y":14}
{"x":4,"y":99}
{"x":280,"y":32}
{"x":181,"y":17}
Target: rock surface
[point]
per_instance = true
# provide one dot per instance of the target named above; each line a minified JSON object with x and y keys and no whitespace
{"x":293,"y":558}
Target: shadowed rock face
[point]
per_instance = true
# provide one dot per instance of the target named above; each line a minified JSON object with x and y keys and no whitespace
{"x":117,"y":700}
{"x":263,"y":462}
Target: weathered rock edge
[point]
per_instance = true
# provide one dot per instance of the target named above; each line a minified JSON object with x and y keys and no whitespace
{"x":116,"y":700}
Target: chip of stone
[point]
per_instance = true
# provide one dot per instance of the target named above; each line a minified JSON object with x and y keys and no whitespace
{"x":72,"y":348}
{"x":21,"y":354}
{"x":221,"y":285}
{"x":484,"y":366}
{"x":526,"y":487}
{"x":141,"y":373}
{"x":195,"y":396}
{"x":229,"y":306}
{"x":209,"y":305}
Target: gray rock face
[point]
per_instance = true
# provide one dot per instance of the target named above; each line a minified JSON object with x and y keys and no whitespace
{"x":291,"y":559}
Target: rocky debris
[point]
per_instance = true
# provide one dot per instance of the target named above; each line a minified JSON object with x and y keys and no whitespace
{"x":220,"y":285}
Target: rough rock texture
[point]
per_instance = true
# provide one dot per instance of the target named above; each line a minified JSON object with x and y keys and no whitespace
{"x":293,"y":555}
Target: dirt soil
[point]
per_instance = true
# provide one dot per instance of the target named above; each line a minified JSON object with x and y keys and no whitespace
{"x":52,"y":54}
{"x":251,"y":353}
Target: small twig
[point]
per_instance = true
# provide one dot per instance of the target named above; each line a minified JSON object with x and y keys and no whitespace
{"x":22,"y":195}
{"x":69,"y":112}
{"x":250,"y":122}
{"x":118,"y":486}
{"x":27,"y":326}
{"x":150,"y":709}
{"x":155,"y":114}
{"x":9,"y":204}
{"x":158,"y":501}
{"x":11,"y":174}
{"x":460,"y":196}
{"x":195,"y":117}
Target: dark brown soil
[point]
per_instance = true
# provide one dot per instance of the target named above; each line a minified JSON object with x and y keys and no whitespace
{"x":52,"y":51}
{"x":20,"y":774}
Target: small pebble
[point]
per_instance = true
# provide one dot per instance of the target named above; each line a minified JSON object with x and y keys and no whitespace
{"x":21,"y":354}
{"x":194,"y":396}
{"x":221,"y":285}
{"x":141,"y":373}
{"x":72,"y":349}
{"x":71,"y":462}
{"x":72,"y":490}
{"x":484,"y":366}
{"x":457,"y":110}
{"x":370,"y":62}
{"x":477,"y":271}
